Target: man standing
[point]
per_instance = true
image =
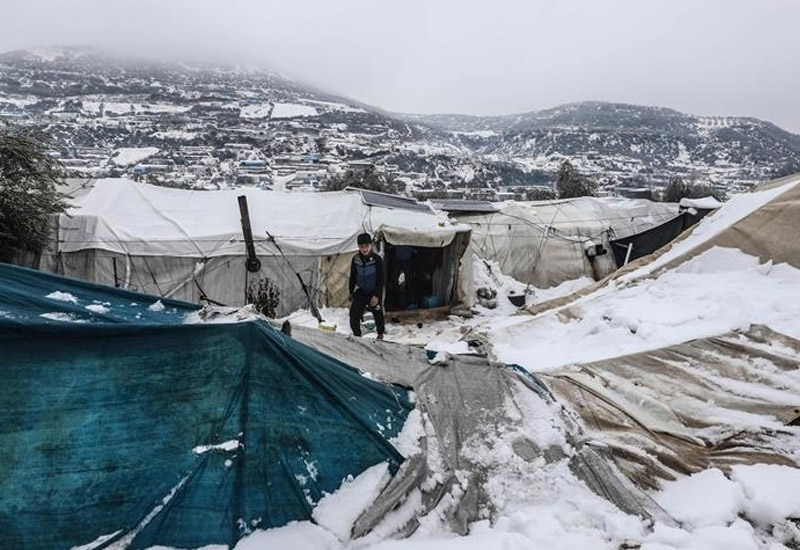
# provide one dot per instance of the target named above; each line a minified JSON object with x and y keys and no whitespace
{"x":366,"y":286}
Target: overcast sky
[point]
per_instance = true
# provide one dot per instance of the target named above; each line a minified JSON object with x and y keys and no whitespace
{"x":736,"y":57}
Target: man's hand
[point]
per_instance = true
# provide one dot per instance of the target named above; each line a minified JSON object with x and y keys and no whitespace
{"x":373,"y":301}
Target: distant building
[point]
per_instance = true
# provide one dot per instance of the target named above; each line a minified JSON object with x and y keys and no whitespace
{"x":635,"y":192}
{"x":253,"y":165}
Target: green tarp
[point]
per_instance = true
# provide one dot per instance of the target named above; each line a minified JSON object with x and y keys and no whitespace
{"x":170,"y":434}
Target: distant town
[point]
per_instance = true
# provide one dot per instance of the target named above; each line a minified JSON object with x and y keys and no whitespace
{"x":213,"y":128}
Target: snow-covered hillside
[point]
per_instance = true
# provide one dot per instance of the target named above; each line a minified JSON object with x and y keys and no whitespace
{"x":202,"y":119}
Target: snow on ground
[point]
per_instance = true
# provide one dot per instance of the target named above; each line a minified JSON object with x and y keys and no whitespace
{"x":21,"y":101}
{"x":127,"y":156}
{"x":476,"y":133}
{"x":536,"y":504}
{"x":743,"y":511}
{"x":686,"y":500}
{"x":542,"y":504}
{"x":124,"y":108}
{"x":331,"y":106}
{"x":338,"y":512}
{"x":277,"y":110}
{"x":450,"y":335}
{"x":182,"y":135}
{"x":718,"y":291}
{"x":258,"y":110}
{"x":772,"y":492}
{"x":289,"y":110}
{"x":487,"y":274}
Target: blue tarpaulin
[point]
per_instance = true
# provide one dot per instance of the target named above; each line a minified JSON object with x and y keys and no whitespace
{"x":162,"y":433}
{"x":30,"y":297}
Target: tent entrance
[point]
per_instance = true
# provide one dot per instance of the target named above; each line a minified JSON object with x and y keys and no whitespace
{"x":418,"y":277}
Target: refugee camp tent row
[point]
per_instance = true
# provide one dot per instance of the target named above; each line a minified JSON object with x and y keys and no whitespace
{"x":189,"y":245}
{"x":545,"y":243}
{"x":768,"y":233}
{"x":122,"y":424}
{"x":135,"y":427}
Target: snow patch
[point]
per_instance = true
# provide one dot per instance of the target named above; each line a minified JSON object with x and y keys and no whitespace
{"x":63,"y":317}
{"x":295,"y":536}
{"x":260,"y":110}
{"x":175,"y":134}
{"x":225,"y":446}
{"x":689,"y":500}
{"x":338,"y":511}
{"x":289,"y":110}
{"x":691,"y":301}
{"x":62,"y":297}
{"x":127,"y":156}
{"x":772,"y":490}
{"x":407,"y":441}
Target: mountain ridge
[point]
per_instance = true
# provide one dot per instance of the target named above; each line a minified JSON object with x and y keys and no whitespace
{"x":87,"y":100}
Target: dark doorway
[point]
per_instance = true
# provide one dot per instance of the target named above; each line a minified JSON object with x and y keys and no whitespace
{"x":410,"y":275}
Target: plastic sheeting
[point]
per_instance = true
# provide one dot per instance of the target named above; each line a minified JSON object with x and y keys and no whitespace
{"x":468,"y":397}
{"x":29,"y":297}
{"x":768,"y":232}
{"x":132,"y":218}
{"x":543,"y":243}
{"x":151,"y":433}
{"x":707,"y":402}
{"x":641,"y":244}
{"x":712,"y":402}
{"x":188,"y":244}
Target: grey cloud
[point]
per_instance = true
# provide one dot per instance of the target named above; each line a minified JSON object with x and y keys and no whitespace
{"x":736,"y":57}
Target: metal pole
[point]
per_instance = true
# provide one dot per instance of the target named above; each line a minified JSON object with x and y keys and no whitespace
{"x":253,"y":263}
{"x":628,"y":253}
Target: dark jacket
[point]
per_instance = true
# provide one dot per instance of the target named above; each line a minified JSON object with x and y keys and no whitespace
{"x":366,"y":273}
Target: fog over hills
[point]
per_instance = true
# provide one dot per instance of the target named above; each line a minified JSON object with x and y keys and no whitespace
{"x":213,"y":126}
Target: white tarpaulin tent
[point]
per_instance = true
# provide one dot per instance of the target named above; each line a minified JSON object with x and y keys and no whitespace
{"x":544,"y":243}
{"x":185,"y":244}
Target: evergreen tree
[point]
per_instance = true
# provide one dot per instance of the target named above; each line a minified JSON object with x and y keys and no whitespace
{"x":540,"y":194}
{"x":570,"y":183}
{"x":678,"y":189}
{"x":28,"y":179}
{"x":368,"y":178}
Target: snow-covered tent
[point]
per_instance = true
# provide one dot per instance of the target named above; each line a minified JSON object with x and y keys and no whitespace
{"x":545,"y":243}
{"x":189,"y":244}
{"x":688,"y":358}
